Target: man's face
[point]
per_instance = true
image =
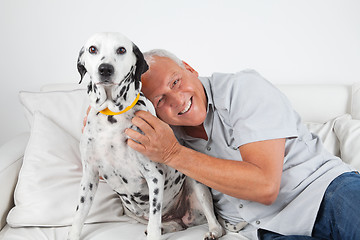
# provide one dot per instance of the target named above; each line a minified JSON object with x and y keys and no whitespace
{"x":177,"y":93}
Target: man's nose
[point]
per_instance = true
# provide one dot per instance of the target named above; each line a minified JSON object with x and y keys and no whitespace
{"x":176,"y":99}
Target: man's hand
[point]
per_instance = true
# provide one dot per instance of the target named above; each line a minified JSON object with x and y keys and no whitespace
{"x":158,"y":142}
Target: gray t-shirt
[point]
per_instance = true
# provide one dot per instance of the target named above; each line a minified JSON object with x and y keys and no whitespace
{"x":244,"y":108}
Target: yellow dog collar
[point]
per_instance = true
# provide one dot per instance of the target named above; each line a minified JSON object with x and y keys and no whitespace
{"x":107,"y":111}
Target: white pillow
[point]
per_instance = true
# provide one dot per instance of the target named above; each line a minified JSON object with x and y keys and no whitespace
{"x":48,"y":187}
{"x":326,"y":133}
{"x":355,"y":102}
{"x":348,"y":132}
{"x":65,"y":108}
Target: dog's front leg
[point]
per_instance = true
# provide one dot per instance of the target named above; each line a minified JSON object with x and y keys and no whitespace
{"x":155,"y":181}
{"x":88,"y":187}
{"x":203,"y":195}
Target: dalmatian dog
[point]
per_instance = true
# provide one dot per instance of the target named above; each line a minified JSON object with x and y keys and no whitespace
{"x":152,"y":193}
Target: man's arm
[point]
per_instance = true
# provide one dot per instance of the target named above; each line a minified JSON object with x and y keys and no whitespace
{"x":256,"y":178}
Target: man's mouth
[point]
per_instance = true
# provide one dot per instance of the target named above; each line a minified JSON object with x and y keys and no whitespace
{"x":187,"y":108}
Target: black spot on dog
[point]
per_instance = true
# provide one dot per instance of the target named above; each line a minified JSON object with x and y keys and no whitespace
{"x":90,"y":186}
{"x":82,"y":199}
{"x":77,"y":207}
{"x":177,"y":180}
{"x":141,"y":102}
{"x":156,"y":191}
{"x":144,"y":198}
{"x":125,"y":180}
{"x":158,"y":207}
{"x":127,"y":202}
{"x":155,"y":180}
{"x":91,"y":198}
{"x":154,"y":202}
{"x":125,"y":96}
{"x":137,"y":194}
{"x":112,"y":119}
{"x":105,"y":176}
{"x":166,"y":182}
{"x":137,"y":85}
{"x":161,"y":172}
{"x":89,"y":87}
{"x":97,"y":100}
{"x":122,"y":90}
{"x":154,"y":211}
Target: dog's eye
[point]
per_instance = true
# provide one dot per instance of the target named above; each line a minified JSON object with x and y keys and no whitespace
{"x":121,"y":50}
{"x":93,"y":50}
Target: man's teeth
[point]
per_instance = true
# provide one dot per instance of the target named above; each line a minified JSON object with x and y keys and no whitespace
{"x":187,"y":107}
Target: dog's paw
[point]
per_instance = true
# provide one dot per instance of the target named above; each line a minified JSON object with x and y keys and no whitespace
{"x":215,"y":233}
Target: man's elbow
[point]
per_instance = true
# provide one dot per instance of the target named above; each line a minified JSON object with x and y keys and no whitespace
{"x":269,"y":194}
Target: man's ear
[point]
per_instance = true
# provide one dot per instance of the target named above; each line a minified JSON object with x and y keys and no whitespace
{"x":80,"y":65}
{"x":141,"y":65}
{"x":189,"y":68}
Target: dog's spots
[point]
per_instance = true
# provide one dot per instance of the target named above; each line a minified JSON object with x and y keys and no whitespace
{"x":95,"y":88}
{"x":154,"y":202}
{"x":77,"y":208}
{"x":137,"y":85}
{"x":97,"y":100}
{"x":156,"y":191}
{"x":155,"y":180}
{"x":161,"y":172}
{"x":125,"y":96}
{"x":122,"y":90}
{"x":103,"y":58}
{"x":111,"y":119}
{"x":105,"y":176}
{"x":177,"y":179}
{"x":89,"y":87}
{"x":91,"y":198}
{"x":144,"y":198}
{"x":82,"y":199}
{"x":141,"y":102}
{"x":91,"y":186}
{"x":124,"y":179}
{"x":127,"y":201}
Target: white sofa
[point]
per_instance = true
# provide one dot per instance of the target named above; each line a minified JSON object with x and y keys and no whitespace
{"x":45,"y":189}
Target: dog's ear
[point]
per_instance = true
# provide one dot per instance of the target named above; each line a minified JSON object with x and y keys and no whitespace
{"x":141,"y":65}
{"x":80,"y":66}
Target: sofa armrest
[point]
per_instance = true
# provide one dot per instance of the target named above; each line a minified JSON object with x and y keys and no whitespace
{"x":11,"y":156}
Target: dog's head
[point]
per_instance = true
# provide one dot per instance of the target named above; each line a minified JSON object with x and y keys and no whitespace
{"x":112,"y":61}
{"x":109,"y":57}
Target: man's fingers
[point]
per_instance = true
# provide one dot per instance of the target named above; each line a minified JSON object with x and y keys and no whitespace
{"x":148,"y":117}
{"x":137,"y":136}
{"x":136,"y":146}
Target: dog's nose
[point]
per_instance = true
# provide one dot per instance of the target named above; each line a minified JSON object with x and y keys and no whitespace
{"x":106,"y":70}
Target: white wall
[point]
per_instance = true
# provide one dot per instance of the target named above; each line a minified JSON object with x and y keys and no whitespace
{"x":287,"y":41}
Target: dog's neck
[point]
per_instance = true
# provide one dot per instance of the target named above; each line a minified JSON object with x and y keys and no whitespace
{"x":107,"y":111}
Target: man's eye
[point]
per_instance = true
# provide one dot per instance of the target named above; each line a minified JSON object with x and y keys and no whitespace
{"x":160,"y":102}
{"x":93,"y":50}
{"x":175,"y":82}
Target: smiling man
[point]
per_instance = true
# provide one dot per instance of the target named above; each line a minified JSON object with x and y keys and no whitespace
{"x":239,"y":135}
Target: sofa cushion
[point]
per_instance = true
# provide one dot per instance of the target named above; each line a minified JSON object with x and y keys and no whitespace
{"x":348,"y":132}
{"x":355,"y":102}
{"x":326,"y":133}
{"x":47,"y":191}
{"x":66,"y":108}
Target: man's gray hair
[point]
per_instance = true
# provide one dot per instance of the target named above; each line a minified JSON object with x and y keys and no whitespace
{"x":149,"y":56}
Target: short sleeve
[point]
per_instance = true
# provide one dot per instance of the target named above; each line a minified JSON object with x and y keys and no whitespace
{"x":254,"y":109}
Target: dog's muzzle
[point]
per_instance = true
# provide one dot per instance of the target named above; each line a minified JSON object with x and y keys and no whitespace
{"x":106,"y":71}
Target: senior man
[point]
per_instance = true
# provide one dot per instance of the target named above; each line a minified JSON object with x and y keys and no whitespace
{"x":239,"y":135}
